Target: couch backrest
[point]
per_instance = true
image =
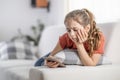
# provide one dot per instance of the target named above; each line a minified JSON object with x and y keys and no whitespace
{"x":51,"y":35}
{"x":107,"y":29}
{"x":112,"y":50}
{"x":49,"y":38}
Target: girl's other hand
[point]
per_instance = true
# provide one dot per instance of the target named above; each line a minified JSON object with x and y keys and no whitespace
{"x":82,"y":36}
{"x":52,"y":64}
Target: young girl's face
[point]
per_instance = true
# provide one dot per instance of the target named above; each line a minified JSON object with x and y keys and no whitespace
{"x":72,"y":29}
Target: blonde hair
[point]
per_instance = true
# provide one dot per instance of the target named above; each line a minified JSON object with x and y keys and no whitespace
{"x":85,"y":17}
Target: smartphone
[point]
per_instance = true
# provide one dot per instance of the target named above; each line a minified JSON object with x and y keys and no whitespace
{"x":53,"y":59}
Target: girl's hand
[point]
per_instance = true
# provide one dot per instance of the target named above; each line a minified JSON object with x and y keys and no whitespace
{"x":82,"y":36}
{"x":51,"y":64}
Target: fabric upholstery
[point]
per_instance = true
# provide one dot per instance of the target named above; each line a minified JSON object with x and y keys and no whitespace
{"x":103,"y":72}
{"x":70,"y":56}
{"x":16,"y":50}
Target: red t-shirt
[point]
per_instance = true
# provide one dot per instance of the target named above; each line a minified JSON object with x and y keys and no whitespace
{"x":66,"y":42}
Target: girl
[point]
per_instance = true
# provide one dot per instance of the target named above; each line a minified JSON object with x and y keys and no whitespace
{"x":83,"y":35}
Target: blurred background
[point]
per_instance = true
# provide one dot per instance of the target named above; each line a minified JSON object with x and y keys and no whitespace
{"x":23,"y":17}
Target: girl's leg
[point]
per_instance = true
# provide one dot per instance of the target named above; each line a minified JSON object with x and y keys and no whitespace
{"x":40,"y":61}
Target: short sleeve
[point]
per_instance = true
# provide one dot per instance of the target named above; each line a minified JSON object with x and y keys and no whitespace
{"x":100,"y":50}
{"x":63,"y":40}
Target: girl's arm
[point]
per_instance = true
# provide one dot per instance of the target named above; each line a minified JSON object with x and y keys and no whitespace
{"x":85,"y":58}
{"x":56,"y":49}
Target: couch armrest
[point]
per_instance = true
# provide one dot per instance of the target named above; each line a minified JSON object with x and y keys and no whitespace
{"x":104,"y":72}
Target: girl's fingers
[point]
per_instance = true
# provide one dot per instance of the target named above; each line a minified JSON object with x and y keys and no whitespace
{"x":55,"y":65}
{"x":82,"y":35}
{"x":79,"y":34}
{"x":86,"y":34}
{"x":52,"y":64}
{"x":79,"y":39}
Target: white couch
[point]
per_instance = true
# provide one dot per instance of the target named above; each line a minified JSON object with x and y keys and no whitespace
{"x":25,"y":70}
{"x":73,"y":72}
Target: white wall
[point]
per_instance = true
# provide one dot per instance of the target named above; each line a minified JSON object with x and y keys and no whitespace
{"x":16,"y":14}
{"x":104,"y":10}
{"x":57,"y":11}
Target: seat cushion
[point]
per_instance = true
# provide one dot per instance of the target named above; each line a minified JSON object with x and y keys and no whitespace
{"x":72,"y":72}
{"x":17,"y":73}
{"x":15,"y":63}
{"x":11,"y":64}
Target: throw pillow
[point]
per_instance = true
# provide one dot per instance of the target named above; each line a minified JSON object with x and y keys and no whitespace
{"x":16,"y":50}
{"x":69,"y":56}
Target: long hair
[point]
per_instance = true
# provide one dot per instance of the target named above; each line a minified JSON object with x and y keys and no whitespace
{"x":85,"y":17}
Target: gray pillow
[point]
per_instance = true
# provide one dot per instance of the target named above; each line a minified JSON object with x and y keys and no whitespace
{"x":69,"y":56}
{"x":16,"y":50}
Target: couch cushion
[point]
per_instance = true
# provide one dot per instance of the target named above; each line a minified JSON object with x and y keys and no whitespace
{"x":107,"y":29}
{"x":17,"y":73}
{"x":10,"y":64}
{"x":113,"y":47}
{"x":70,"y":56}
{"x":15,"y":63}
{"x":103,"y":72}
{"x":49,"y":38}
